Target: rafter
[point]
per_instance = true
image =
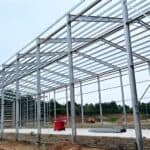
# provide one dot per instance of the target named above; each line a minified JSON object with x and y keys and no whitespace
{"x":59,"y":74}
{"x":95,"y":19}
{"x":78,"y":68}
{"x":99,"y":61}
{"x":53,"y":81}
{"x":124,"y":49}
{"x":64,"y":40}
{"x":28,"y":87}
{"x":34,"y":83}
{"x":144,"y":24}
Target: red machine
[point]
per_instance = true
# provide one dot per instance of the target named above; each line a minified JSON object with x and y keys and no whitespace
{"x":59,"y":123}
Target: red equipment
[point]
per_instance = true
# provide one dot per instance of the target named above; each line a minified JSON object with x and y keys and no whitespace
{"x":59,"y":123}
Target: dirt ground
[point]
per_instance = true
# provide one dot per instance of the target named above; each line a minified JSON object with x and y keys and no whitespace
{"x":61,"y":145}
{"x":9,"y":145}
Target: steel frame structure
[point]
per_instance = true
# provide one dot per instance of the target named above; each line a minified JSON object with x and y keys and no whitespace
{"x":92,"y":44}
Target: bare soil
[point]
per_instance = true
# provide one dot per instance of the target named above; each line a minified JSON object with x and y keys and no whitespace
{"x":9,"y":145}
{"x":63,"y":143}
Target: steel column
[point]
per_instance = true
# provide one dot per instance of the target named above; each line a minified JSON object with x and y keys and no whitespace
{"x":14,"y":113}
{"x":44,"y":109}
{"x":2,"y":101}
{"x":82,"y":109}
{"x":35,"y":112}
{"x":147,"y":112}
{"x":27,"y":111}
{"x":67,"y":107}
{"x":24,"y":113}
{"x":133,"y":88}
{"x":47,"y":112}
{"x":100,"y":100}
{"x":71,"y":74}
{"x":38,"y":91}
{"x":147,"y":108}
{"x":17,"y":98}
{"x":123,"y":99}
{"x":49,"y":107}
{"x":149,"y":68}
{"x":20,"y":112}
{"x":55,"y":114}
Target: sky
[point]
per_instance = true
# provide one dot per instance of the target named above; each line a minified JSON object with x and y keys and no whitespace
{"x":22,"y":20}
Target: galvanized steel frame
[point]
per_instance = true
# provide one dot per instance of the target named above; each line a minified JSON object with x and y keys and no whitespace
{"x":95,"y":46}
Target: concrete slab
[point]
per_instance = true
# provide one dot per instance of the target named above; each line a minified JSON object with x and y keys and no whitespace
{"x":83,"y":132}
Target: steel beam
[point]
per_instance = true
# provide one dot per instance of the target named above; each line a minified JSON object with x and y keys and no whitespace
{"x":7,"y":99}
{"x":53,"y":81}
{"x":96,"y":19}
{"x":132,"y":77}
{"x":42,"y":54}
{"x":124,"y":49}
{"x":24,"y":64}
{"x":59,"y":74}
{"x":33,"y":83}
{"x":98,"y":61}
{"x":10,"y":72}
{"x":28,"y":87}
{"x":71,"y":74}
{"x":64,"y":40}
{"x":144,"y":24}
{"x":78,"y":68}
{"x":45,"y":79}
{"x":7,"y":96}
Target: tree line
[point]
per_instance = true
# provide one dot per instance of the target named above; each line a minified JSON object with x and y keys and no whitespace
{"x":27,"y":103}
{"x":94,"y":109}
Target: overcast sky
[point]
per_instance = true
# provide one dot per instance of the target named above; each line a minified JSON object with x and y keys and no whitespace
{"x":22,"y":20}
